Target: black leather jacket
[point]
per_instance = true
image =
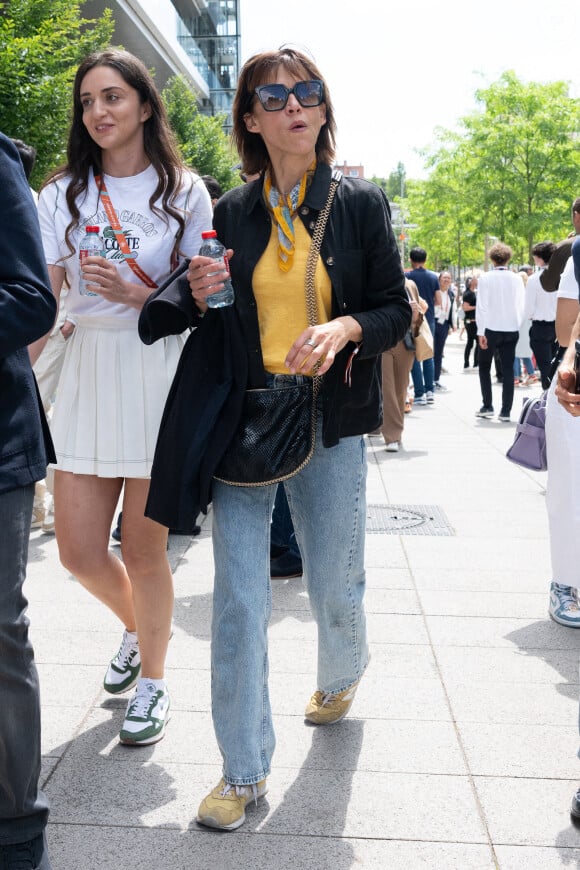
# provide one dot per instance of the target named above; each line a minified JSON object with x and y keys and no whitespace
{"x":362,"y":260}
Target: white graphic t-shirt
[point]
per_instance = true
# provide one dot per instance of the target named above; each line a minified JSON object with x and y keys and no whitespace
{"x":150,"y":237}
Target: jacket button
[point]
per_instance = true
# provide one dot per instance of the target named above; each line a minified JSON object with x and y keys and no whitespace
{"x":311,"y":225}
{"x":330,"y":261}
{"x":304,"y":210}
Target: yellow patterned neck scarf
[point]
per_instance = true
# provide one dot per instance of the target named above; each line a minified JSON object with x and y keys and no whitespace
{"x":283,"y":207}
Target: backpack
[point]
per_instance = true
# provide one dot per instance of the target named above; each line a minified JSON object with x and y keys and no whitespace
{"x":529,"y":445}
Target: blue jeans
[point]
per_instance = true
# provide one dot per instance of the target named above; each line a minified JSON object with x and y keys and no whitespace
{"x":423,"y":374}
{"x":529,"y":366}
{"x":328,"y":502}
{"x":423,"y":378}
{"x":23,"y":808}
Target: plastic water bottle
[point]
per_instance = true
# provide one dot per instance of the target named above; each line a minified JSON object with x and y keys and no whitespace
{"x":91,"y":245}
{"x":211,"y":247}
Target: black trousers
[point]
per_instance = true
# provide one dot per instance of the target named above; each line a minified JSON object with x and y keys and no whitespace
{"x":505,"y":344}
{"x":471,"y":330}
{"x":543,"y":344}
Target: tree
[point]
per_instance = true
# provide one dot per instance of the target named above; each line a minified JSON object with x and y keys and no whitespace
{"x":203,"y":143}
{"x":442,"y":209}
{"x":527,"y":159}
{"x":41,"y":45}
{"x":510,"y":173}
{"x":395,"y":185}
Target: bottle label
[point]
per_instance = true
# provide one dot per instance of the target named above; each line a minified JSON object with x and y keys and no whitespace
{"x":83,"y":254}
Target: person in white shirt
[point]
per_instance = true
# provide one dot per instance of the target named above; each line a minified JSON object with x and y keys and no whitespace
{"x":563,"y":452}
{"x":124,"y":175}
{"x":541,"y":310}
{"x":499,"y":313}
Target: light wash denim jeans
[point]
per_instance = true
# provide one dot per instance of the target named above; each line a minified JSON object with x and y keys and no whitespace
{"x":23,"y":808}
{"x":328,"y":505}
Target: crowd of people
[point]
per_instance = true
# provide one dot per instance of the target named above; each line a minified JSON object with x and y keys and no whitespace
{"x":322,"y":302}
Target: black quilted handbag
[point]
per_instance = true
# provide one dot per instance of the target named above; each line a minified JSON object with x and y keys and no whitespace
{"x":275,"y":438}
{"x":277,"y":432}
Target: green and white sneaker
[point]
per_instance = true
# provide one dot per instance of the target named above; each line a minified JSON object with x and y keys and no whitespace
{"x":124,"y":668}
{"x":147,"y":714}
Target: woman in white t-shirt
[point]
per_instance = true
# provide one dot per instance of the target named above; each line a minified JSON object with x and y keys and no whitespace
{"x":124,"y":175}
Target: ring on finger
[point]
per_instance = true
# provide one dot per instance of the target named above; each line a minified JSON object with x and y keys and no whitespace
{"x":310,"y":342}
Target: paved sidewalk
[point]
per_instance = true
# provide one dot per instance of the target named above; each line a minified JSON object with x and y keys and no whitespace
{"x":460,"y":750}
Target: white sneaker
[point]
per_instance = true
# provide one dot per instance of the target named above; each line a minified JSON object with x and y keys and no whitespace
{"x":563,"y":607}
{"x":124,"y":668}
{"x":392,"y":447}
{"x":421,"y":400}
{"x":430,"y":397}
{"x":147,"y":715}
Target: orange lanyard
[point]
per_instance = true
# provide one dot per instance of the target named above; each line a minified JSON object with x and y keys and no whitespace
{"x":120,"y":235}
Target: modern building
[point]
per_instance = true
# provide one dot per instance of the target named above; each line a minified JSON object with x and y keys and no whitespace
{"x":198,"y":39}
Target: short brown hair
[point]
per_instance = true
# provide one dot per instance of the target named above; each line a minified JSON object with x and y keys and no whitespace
{"x":258,"y":70}
{"x":500,"y":253}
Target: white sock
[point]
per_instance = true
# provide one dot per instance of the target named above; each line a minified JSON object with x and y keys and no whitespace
{"x":145,"y":682}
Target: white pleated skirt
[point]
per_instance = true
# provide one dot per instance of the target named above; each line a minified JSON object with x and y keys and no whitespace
{"x":110,"y":398}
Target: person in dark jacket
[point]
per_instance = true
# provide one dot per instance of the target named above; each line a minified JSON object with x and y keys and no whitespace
{"x":27,"y":311}
{"x":284,"y":128}
{"x":550,"y":277}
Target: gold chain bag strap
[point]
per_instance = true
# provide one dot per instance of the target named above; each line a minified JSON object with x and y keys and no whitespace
{"x":276,"y":436}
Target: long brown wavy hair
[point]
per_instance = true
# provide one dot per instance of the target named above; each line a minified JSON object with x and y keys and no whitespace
{"x":159,"y":142}
{"x":259,"y":70}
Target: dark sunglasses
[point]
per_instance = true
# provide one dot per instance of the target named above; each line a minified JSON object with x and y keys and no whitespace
{"x":274,"y":97}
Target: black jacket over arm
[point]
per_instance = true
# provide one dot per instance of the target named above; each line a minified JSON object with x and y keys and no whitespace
{"x":223,"y":355}
{"x":27,"y":312}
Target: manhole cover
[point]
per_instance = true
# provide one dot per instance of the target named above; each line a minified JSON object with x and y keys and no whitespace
{"x":407,"y":519}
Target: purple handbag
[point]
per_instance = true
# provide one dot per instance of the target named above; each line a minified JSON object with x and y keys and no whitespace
{"x":529,"y":446}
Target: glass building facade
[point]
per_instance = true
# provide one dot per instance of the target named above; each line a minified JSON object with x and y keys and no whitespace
{"x":212,"y":42}
{"x":198,"y":39}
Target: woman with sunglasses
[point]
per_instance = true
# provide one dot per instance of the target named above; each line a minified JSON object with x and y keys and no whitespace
{"x":284,"y":129}
{"x":125,"y":176}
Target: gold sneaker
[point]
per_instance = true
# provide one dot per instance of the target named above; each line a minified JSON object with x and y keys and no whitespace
{"x":225,"y":807}
{"x":325,"y":708}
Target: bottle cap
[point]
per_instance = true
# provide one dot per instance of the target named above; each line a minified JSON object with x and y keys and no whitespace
{"x":209,"y":234}
{"x":92,"y":229}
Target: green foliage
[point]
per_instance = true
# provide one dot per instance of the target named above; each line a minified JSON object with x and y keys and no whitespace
{"x":41,"y":45}
{"x":201,"y":138}
{"x":395,"y":185}
{"x":511,"y":173}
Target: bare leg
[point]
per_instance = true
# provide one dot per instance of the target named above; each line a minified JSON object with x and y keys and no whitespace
{"x":144,"y":549}
{"x":138,"y":590}
{"x":84,"y":511}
